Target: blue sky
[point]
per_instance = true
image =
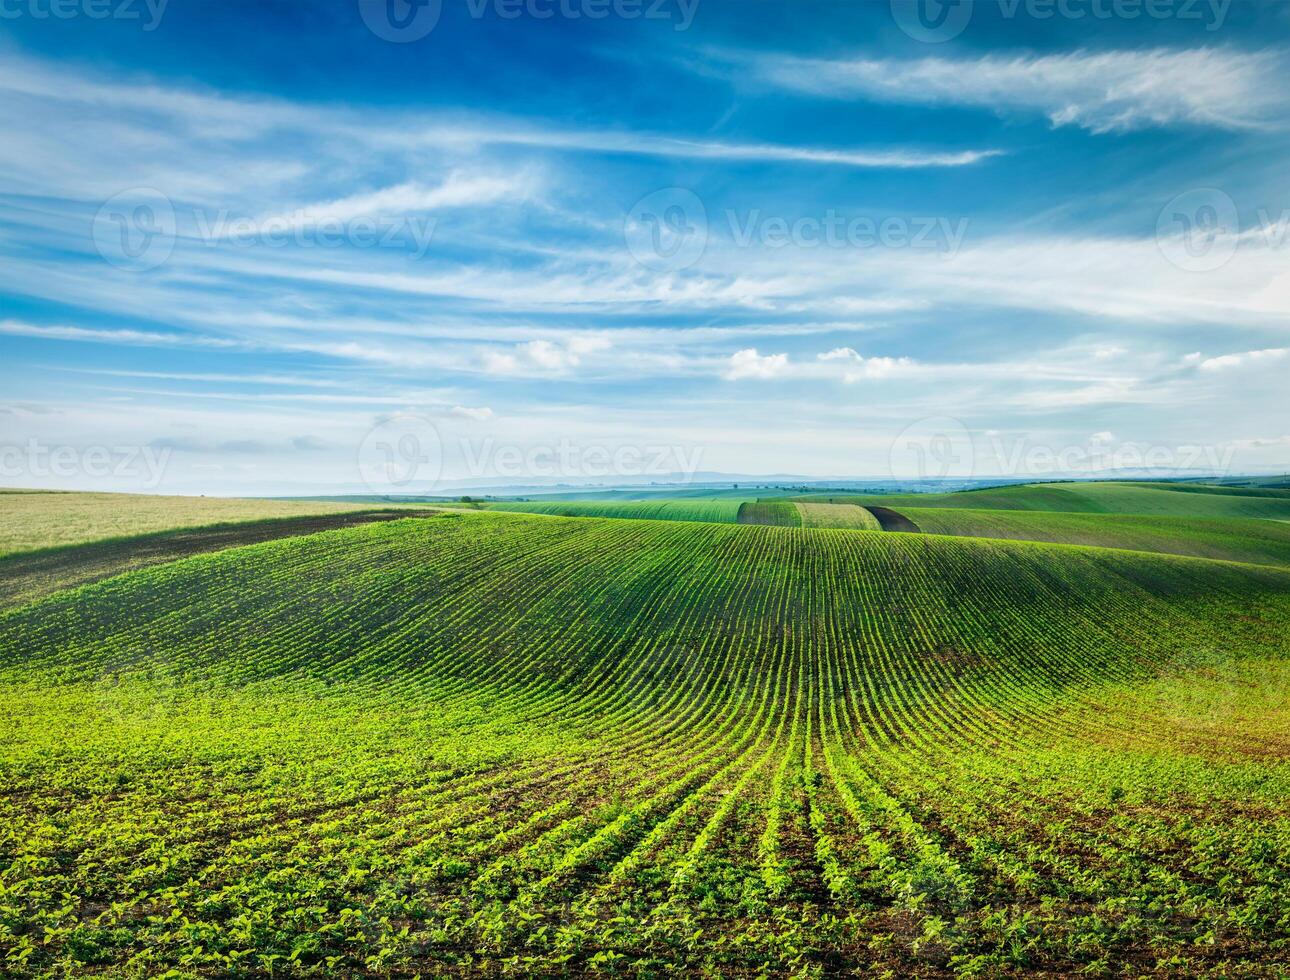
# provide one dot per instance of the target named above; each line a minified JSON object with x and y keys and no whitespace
{"x":250,"y":247}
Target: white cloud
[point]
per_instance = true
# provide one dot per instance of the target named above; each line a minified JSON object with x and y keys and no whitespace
{"x":1102,"y":91}
{"x":649,"y":144}
{"x":482,"y":414}
{"x":18,"y":328}
{"x":545,"y":356}
{"x":860,"y":368}
{"x":747,"y":363}
{"x":456,"y":191}
{"x":1244,"y":359}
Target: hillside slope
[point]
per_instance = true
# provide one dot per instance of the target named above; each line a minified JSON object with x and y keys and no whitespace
{"x":40,"y":519}
{"x":1228,"y":539}
{"x":1157,"y":499}
{"x":415,"y":746}
{"x":702,"y":509}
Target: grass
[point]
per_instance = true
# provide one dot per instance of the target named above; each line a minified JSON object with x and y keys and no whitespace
{"x":37,"y":519}
{"x":1232,"y":539}
{"x":502,"y":744}
{"x":1158,"y":499}
{"x":702,"y":509}
{"x":837,"y":515}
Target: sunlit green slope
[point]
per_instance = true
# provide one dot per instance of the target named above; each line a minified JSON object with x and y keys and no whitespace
{"x":1231,"y":539}
{"x":1161,"y":499}
{"x":524,"y":744}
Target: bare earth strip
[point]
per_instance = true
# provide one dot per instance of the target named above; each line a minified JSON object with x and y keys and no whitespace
{"x":893,"y":520}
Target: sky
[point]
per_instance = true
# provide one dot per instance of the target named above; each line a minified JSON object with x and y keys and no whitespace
{"x":283,"y":247}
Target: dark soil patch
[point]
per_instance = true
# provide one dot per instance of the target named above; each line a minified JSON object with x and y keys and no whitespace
{"x":892,"y":520}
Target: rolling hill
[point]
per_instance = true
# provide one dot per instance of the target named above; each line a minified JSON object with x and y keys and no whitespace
{"x":41,"y":519}
{"x":1155,"y":499}
{"x":503,"y":743}
{"x":1229,"y":539}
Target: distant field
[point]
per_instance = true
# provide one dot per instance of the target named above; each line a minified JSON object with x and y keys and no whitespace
{"x":45,"y":520}
{"x":498,"y":744}
{"x":1232,"y":539}
{"x":29,"y":575}
{"x":1163,"y":499}
{"x":837,"y":515}
{"x":774,"y":513}
{"x":716,"y":510}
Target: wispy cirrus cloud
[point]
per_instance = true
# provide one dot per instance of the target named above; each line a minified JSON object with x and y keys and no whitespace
{"x":1101,"y":91}
{"x":1249,"y":358}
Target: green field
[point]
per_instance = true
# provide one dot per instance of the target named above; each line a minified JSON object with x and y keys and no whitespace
{"x":504,"y":744}
{"x":43,"y":520}
{"x":773,"y":513}
{"x":703,"y":509}
{"x":29,"y":575}
{"x":837,"y":515}
{"x":1159,"y":499}
{"x":1232,"y":539}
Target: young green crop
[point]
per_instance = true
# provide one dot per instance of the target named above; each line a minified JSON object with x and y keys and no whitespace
{"x":717,"y":510}
{"x":1231,"y":539}
{"x":774,"y":513}
{"x":505,"y":744}
{"x":1158,"y":499}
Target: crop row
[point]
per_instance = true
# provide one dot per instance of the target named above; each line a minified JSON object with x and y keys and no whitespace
{"x":514,"y":744}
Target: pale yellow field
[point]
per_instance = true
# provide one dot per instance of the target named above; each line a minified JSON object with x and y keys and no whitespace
{"x":837,"y":515}
{"x":43,"y":520}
